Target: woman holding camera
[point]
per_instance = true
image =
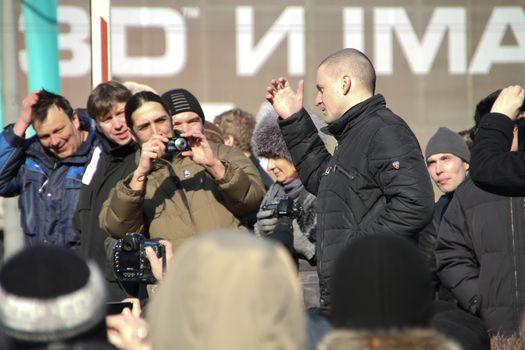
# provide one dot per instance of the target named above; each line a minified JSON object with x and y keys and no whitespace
{"x":268,"y":142}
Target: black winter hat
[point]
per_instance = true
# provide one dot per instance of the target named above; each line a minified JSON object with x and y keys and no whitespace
{"x":181,"y":100}
{"x":381,"y":282}
{"x":447,"y":141}
{"x":50,"y":294}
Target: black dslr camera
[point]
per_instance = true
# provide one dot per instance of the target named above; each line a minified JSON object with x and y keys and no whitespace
{"x":177,"y":143}
{"x":130,"y":262}
{"x":285,"y":206}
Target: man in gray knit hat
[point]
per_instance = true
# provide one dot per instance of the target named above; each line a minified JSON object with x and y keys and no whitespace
{"x":447,"y":157}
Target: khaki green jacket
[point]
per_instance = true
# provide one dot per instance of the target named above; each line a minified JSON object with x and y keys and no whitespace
{"x":174,"y":212}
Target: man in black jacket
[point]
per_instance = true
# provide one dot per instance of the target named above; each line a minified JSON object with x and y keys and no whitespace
{"x":447,"y":157}
{"x":376,"y":181}
{"x":493,"y":166}
{"x":112,"y":159}
{"x":480,"y":253}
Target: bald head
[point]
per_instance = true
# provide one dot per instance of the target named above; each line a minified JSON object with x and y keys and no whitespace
{"x":354,"y":63}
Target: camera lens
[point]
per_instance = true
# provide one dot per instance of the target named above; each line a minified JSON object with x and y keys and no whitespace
{"x":130,"y":243}
{"x":181,"y":144}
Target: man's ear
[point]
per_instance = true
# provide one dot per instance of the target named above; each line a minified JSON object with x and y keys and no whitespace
{"x":346,"y":84}
{"x":75,"y":120}
{"x":229,"y":141}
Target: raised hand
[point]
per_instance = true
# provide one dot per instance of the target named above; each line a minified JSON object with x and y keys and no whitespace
{"x":25,"y":118}
{"x":151,"y":150}
{"x":509,"y":101}
{"x":202,"y":154}
{"x":283,"y":98}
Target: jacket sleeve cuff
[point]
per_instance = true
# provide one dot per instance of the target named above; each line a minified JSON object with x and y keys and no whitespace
{"x":229,"y":172}
{"x":499,"y":122}
{"x":123,"y":187}
{"x":12,"y":139}
{"x":292,"y":119}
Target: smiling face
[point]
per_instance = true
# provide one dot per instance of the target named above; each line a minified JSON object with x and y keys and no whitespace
{"x":281,"y":168}
{"x":59,"y":134}
{"x":113,"y":125}
{"x":447,"y":171}
{"x":149,"y":119}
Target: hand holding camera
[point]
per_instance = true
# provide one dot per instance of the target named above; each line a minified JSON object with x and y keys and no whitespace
{"x":130,"y":260}
{"x":158,"y":267}
{"x":266,"y":222}
{"x":201,"y":153}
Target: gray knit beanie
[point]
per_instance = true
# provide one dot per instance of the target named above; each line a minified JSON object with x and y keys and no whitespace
{"x":447,"y":141}
{"x":267,"y":140}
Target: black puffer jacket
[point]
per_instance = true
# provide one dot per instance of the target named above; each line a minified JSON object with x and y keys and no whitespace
{"x":481,"y":255}
{"x":376,"y":181}
{"x":492,"y":166}
{"x":111,"y":163}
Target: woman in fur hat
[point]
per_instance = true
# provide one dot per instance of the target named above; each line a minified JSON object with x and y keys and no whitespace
{"x":268,"y":142}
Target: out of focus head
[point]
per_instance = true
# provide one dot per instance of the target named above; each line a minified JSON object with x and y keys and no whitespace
{"x":447,"y":156}
{"x":232,"y":291}
{"x":56,"y":124}
{"x":185,"y":110}
{"x":268,"y":142}
{"x":344,"y":79}
{"x":106,"y":105}
{"x":146,"y":115}
{"x":50,"y":294}
{"x":237,"y":127}
{"x":381,"y":282}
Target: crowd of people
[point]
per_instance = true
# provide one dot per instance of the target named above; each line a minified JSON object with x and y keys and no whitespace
{"x":317,"y":249}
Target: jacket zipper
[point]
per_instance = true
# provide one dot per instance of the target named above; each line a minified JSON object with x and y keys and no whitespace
{"x":514,"y":257}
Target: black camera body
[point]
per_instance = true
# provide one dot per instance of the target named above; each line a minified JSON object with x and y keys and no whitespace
{"x":130,"y":262}
{"x":177,"y":143}
{"x":285,"y":206}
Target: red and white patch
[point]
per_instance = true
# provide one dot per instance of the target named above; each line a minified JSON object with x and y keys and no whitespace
{"x":395,"y":165}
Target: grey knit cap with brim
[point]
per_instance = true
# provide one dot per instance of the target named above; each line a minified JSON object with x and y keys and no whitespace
{"x":447,"y":141}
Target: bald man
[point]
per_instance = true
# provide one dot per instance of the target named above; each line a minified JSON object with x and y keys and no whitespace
{"x":376,"y":181}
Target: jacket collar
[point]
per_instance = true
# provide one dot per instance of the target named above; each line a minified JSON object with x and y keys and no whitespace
{"x":354,"y":115}
{"x":114,"y":149}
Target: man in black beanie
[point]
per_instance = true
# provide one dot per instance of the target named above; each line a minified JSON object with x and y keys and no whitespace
{"x":382,"y":297}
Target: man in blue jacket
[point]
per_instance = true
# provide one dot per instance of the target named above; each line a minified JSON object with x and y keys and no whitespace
{"x":46,"y":170}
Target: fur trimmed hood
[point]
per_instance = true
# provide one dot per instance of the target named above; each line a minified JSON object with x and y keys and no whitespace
{"x":413,"y":339}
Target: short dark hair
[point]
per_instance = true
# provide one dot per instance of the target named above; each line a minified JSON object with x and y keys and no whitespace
{"x":104,"y":96}
{"x":355,"y":61}
{"x":45,"y":101}
{"x":138,"y":100}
